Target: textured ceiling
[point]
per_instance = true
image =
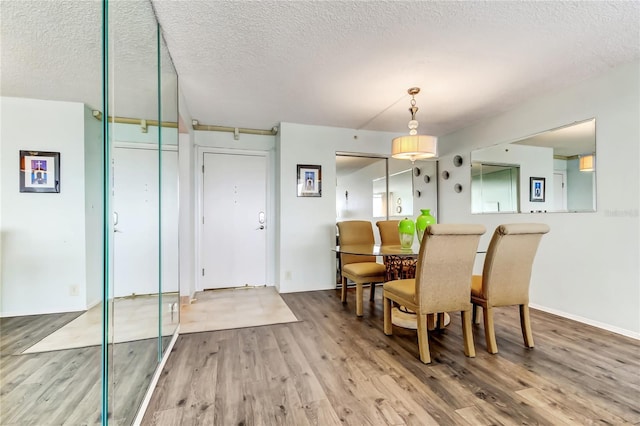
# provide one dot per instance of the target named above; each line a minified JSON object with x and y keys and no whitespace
{"x":53,"y":50}
{"x":349,"y":63}
{"x":336,"y":63}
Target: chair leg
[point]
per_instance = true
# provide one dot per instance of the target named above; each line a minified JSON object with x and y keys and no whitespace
{"x":423,"y":339}
{"x":372,"y":295}
{"x":489,"y":332}
{"x":387,"y":305}
{"x":359,"y":296}
{"x":431,"y":321}
{"x":467,"y":335}
{"x":525,"y":323}
{"x":476,"y":314}
{"x":344,"y":290}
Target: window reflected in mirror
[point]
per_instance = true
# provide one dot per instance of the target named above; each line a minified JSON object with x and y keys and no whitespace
{"x":563,"y":160}
{"x":494,"y":188}
{"x":399,"y":201}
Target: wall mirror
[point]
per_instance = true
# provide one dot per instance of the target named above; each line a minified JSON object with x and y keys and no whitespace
{"x":373,"y":188}
{"x":51,"y":284}
{"x":56,"y":366}
{"x":396,"y":200}
{"x":355,"y":198}
{"x":552,"y":171}
{"x":378,"y":188}
{"x":169,"y":203}
{"x":135,"y":295}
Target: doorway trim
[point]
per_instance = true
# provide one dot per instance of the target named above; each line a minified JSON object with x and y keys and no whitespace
{"x":270,"y":202}
{"x":562,"y":208}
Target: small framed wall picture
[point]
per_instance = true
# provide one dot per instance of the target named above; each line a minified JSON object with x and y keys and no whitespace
{"x":536,"y":189}
{"x":39,"y":171}
{"x":309,"y":180}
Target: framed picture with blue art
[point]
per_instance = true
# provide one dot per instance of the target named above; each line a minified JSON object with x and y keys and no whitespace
{"x":536,"y":189}
{"x":309,"y":180}
{"x":39,"y":171}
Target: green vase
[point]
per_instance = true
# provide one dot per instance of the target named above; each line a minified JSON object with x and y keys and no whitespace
{"x":406,"y":230}
{"x":424,"y":220}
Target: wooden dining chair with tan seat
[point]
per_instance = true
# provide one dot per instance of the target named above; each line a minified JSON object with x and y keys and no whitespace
{"x":506,"y":275}
{"x":398,"y":267}
{"x":357,"y":268}
{"x":443,"y":273}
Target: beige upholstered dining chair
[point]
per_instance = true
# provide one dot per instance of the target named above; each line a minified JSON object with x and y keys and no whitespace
{"x":506,"y":275}
{"x":443,"y":273}
{"x":397,"y":267}
{"x":357,"y":268}
{"x":389,"y":232}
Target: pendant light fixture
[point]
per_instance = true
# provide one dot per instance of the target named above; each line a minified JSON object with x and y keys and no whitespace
{"x":414,"y":146}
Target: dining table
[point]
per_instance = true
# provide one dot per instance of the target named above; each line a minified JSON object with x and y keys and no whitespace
{"x":400,"y":264}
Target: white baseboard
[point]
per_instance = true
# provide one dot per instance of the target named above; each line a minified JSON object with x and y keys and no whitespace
{"x":608,"y":327}
{"x":94,"y":304}
{"x":154,"y":380}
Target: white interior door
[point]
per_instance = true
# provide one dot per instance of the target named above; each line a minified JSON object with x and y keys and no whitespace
{"x":559,"y":191}
{"x":233,"y":240}
{"x":135,"y":203}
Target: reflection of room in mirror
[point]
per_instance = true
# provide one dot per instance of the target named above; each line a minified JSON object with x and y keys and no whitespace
{"x":65,"y":284}
{"x":400,"y":190}
{"x":375,"y":188}
{"x":500,"y":174}
{"x":353,"y":186}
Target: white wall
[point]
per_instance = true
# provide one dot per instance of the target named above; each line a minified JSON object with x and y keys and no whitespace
{"x":306,"y":225}
{"x":428,"y":198}
{"x":43,"y":235}
{"x":122,"y":132}
{"x":587,"y":267}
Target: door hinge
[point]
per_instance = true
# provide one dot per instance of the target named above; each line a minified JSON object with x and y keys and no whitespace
{"x":202,"y":219}
{"x":203,"y":168}
{"x":203,"y":272}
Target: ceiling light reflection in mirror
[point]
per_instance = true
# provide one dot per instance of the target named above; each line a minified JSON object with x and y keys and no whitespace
{"x":501,"y":174}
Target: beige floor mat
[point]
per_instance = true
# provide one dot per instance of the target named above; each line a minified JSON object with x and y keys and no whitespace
{"x":234,"y":308}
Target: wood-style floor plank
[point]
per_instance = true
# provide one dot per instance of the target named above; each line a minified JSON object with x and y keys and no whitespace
{"x":334,"y":368}
{"x":20,"y":333}
{"x":64,"y":387}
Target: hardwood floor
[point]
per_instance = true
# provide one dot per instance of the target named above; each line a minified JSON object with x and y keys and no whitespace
{"x":333,"y":368}
{"x":64,"y":387}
